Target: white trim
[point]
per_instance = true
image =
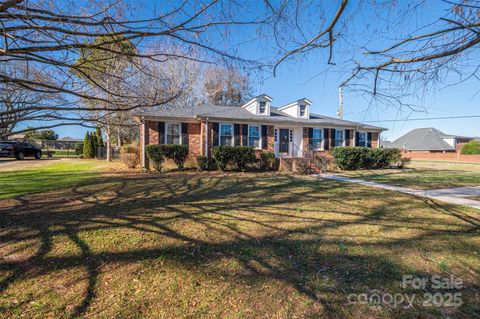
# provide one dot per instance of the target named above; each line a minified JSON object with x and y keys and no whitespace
{"x":290,"y":133}
{"x":143,"y":145}
{"x":264,"y":96}
{"x":220,"y":133}
{"x":165,"y":129}
{"x":259,"y":136}
{"x":266,"y":108}
{"x":298,"y":102}
{"x":206,"y":138}
{"x":366,"y":138}
{"x":322,"y":143}
{"x":335,"y":137}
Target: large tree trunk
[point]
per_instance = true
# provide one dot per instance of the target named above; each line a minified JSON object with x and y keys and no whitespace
{"x":109,"y":144}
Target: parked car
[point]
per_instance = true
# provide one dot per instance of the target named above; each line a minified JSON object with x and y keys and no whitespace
{"x":19,"y":150}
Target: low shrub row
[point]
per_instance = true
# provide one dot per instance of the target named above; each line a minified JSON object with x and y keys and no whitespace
{"x":240,"y":156}
{"x":471,"y":148}
{"x":351,"y":158}
{"x":158,"y":153}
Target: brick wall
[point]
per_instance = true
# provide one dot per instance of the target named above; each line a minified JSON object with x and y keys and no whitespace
{"x":270,"y":138}
{"x":375,"y":136}
{"x":351,"y":139}
{"x":197,"y":135}
{"x":194,"y":140}
{"x":440,"y":156}
{"x":151,"y":132}
{"x":306,"y":140}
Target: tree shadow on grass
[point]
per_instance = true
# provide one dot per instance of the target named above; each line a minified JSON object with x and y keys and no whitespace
{"x":295,"y":242}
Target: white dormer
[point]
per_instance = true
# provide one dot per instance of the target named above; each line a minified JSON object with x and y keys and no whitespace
{"x":259,"y":105}
{"x":298,"y":109}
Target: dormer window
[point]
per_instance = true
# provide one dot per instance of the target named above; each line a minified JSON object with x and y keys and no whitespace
{"x":259,"y":105}
{"x":303,"y":110}
{"x":262,"y":108}
{"x":297,"y":109}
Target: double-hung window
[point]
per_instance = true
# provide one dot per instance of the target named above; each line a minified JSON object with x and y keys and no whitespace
{"x":173,"y":133}
{"x":362,"y":139}
{"x":263,"y":108}
{"x":339,"y":137}
{"x":226,"y":134}
{"x":303,"y":110}
{"x":254,"y":136}
{"x":316,"y":139}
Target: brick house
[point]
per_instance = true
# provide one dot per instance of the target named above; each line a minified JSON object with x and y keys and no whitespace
{"x":429,"y":140}
{"x":431,"y":144}
{"x":288,"y":131}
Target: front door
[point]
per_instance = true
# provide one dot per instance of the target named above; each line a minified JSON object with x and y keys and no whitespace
{"x":284,"y":141}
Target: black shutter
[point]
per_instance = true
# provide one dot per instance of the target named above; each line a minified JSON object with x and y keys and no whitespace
{"x":310,"y":137}
{"x":161,"y":132}
{"x":245,"y":135}
{"x":236,"y":134}
{"x":333,"y":138}
{"x":215,"y":134}
{"x":356,"y":138}
{"x":369,"y":139}
{"x":185,"y":133}
{"x":326,"y":135}
{"x":264,"y":137}
{"x":347,"y":137}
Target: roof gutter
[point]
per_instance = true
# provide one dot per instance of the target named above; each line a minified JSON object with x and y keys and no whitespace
{"x":265,"y":120}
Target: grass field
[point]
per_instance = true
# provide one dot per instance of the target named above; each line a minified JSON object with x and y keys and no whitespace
{"x":62,"y":153}
{"x":45,"y":178}
{"x":424,"y":175}
{"x":188,"y":245}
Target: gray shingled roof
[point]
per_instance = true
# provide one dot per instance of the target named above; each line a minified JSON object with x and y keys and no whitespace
{"x":238,"y":113}
{"x":385,"y":144}
{"x":423,"y":139}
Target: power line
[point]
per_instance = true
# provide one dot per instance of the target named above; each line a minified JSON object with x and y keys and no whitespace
{"x":425,"y":118}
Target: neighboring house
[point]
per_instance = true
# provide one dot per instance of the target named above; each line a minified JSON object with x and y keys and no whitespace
{"x":288,"y":131}
{"x":16,"y":137}
{"x":429,"y":140}
{"x":385,"y":144}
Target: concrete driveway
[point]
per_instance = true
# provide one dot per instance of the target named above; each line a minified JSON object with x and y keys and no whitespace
{"x":459,"y":195}
{"x":10,"y":164}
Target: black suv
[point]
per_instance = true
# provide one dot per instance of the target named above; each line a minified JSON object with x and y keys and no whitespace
{"x":19,"y":150}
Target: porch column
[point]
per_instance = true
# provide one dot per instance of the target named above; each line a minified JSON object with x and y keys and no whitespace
{"x":143,"y":140}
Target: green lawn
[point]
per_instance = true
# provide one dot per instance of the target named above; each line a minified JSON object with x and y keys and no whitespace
{"x":211,"y":245}
{"x":44,"y":178}
{"x":424,"y":175}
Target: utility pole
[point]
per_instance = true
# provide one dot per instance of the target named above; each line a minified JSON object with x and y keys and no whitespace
{"x":340,"y":106}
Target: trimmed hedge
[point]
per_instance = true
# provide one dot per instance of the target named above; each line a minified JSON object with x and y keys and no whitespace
{"x":471,"y":148}
{"x":268,"y":161}
{"x":241,"y":156}
{"x":158,"y":153}
{"x":177,"y":153}
{"x":351,"y":158}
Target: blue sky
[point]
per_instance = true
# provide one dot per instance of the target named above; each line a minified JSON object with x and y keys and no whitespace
{"x":292,"y":83}
{"x":312,"y":78}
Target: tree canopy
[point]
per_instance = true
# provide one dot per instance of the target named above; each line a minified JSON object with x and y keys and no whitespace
{"x":48,"y":135}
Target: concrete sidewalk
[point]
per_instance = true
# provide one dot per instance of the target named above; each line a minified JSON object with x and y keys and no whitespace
{"x":448,"y":195}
